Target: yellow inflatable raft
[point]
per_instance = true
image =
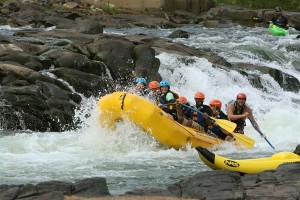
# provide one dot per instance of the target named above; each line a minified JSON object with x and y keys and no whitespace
{"x":247,"y":166}
{"x":153,"y":120}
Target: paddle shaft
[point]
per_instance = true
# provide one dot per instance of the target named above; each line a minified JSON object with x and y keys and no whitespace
{"x":261,"y":20}
{"x":229,"y":126}
{"x":225,"y":124}
{"x":258,"y":130}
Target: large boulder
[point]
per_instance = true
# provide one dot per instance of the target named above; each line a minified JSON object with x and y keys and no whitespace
{"x":116,"y":53}
{"x":35,"y":101}
{"x":89,"y":26}
{"x":86,"y":83}
{"x":146,"y":65}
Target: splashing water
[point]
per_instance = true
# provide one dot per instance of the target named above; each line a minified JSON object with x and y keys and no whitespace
{"x":128,"y":157}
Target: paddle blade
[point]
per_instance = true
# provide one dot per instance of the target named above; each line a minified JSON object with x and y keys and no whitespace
{"x":257,"y":19}
{"x":225,"y":124}
{"x":243,"y":140}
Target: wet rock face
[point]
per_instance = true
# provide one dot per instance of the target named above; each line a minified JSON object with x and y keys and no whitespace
{"x":282,"y":183}
{"x":56,"y":190}
{"x":39,"y":102}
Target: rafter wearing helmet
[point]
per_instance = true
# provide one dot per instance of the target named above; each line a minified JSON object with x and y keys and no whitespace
{"x":238,"y":111}
{"x":167,"y":99}
{"x":216,"y":105}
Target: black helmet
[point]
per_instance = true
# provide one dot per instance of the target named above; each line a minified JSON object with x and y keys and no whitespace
{"x":278,"y":9}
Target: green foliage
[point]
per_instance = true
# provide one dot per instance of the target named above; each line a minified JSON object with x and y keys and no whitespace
{"x":110,"y":9}
{"x":7,"y":1}
{"x":288,"y":5}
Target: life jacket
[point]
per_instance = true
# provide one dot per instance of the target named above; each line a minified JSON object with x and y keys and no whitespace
{"x":171,"y":109}
{"x":176,"y":96}
{"x":280,"y":21}
{"x":240,"y":123}
{"x":197,"y":116}
{"x":185,"y":110}
{"x":221,"y":115}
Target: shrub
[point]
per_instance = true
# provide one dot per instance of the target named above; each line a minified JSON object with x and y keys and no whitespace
{"x":110,"y":9}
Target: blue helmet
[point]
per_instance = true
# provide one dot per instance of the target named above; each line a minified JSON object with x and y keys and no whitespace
{"x":141,"y":80}
{"x":164,"y":83}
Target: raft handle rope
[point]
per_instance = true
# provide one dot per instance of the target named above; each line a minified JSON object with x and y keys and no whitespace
{"x":122,"y":97}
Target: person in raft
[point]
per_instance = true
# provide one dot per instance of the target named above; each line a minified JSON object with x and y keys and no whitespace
{"x":200,"y":119}
{"x":154,"y":92}
{"x":215,"y":106}
{"x":183,"y":111}
{"x":140,"y":87}
{"x":167,"y":99}
{"x":238,"y":111}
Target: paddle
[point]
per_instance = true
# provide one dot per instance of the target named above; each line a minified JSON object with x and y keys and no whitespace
{"x":229,"y":126}
{"x":258,"y":130}
{"x":243,"y":139}
{"x":225,"y":124}
{"x":261,"y":20}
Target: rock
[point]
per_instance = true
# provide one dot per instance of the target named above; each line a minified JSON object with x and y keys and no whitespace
{"x":146,"y":65}
{"x":297,"y":150}
{"x":179,"y":34}
{"x":56,"y":190}
{"x":37,"y":102}
{"x":286,"y":81}
{"x":90,"y":26}
{"x":16,"y":56}
{"x":71,"y":5}
{"x":201,"y":185}
{"x":59,"y":22}
{"x":76,"y":61}
{"x":282,"y":183}
{"x":8,"y":192}
{"x":184,"y":15}
{"x":4,"y":39}
{"x":91,"y":187}
{"x":116,"y":53}
{"x":84,"y":83}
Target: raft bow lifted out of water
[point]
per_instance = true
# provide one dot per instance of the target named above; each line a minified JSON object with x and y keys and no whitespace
{"x":153,"y":120}
{"x":247,"y":166}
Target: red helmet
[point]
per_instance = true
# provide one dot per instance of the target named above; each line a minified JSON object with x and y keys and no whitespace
{"x":216,"y":103}
{"x":241,"y":96}
{"x":153,"y":85}
{"x":182,"y":99}
{"x":199,"y":95}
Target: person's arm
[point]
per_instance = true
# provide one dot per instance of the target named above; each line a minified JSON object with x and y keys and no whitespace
{"x":287,"y":23}
{"x":232,"y":116}
{"x":207,"y":112}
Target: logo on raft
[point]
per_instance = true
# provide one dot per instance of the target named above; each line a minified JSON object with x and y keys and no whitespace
{"x":231,"y":163}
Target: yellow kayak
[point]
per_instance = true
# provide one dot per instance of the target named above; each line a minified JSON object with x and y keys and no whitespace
{"x":153,"y":120}
{"x":247,"y":166}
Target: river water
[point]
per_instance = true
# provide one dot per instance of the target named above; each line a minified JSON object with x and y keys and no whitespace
{"x":129,"y":158}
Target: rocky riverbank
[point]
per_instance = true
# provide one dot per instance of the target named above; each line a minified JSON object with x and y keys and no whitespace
{"x":282,"y":183}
